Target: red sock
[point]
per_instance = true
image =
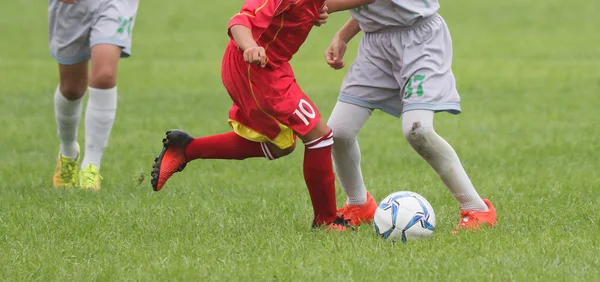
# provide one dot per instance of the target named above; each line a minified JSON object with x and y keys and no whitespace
{"x":229,"y":146}
{"x":320,"y":179}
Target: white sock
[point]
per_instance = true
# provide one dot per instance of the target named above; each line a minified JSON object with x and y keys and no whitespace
{"x":67,"y":114}
{"x":99,"y":119}
{"x":346,"y":120}
{"x":417,"y":127}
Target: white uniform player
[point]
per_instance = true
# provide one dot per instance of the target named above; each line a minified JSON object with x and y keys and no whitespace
{"x":403,"y":68}
{"x":81,"y":31}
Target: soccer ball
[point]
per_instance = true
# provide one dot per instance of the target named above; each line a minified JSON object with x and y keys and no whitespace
{"x":405,"y":215}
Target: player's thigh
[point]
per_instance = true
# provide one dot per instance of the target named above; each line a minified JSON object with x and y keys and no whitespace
{"x":295,"y":110}
{"x":73,"y":79}
{"x":427,"y":76}
{"x":274,"y":101}
{"x":110,"y":39}
{"x":270,"y":102}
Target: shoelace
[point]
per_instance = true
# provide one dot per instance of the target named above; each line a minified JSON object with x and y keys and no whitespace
{"x":343,"y":210}
{"x":90,"y":178}
{"x":67,"y":171}
{"x":466,"y":217}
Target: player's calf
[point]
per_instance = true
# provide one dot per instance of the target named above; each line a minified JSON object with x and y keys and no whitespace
{"x":318,"y":174}
{"x":346,"y":120}
{"x":179,"y":148}
{"x":418,"y":129}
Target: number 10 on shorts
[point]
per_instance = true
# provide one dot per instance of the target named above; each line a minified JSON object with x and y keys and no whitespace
{"x":305,"y":111}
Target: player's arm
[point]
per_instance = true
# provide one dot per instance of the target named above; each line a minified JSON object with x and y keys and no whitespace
{"x":256,"y":16}
{"x":337,"y":49}
{"x":243,"y":37}
{"x":342,"y":5}
{"x":251,"y":22}
{"x":350,"y":29}
{"x":253,"y":54}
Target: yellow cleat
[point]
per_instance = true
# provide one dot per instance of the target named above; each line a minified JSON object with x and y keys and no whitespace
{"x":89,"y":178}
{"x":67,"y":169}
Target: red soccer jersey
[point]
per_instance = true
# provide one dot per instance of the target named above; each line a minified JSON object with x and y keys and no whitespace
{"x":280,"y":26}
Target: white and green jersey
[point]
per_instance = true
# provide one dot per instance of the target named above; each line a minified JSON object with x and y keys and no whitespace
{"x":390,"y":13}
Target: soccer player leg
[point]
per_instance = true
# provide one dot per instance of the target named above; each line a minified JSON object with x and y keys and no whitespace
{"x":346,"y":120}
{"x":68,"y":98}
{"x":306,"y":122}
{"x":110,"y":39}
{"x":68,"y":105}
{"x":255,"y":132}
{"x":68,"y":28}
{"x":255,"y":135}
{"x":368,"y":85}
{"x":242,"y":143}
{"x":417,"y":126}
{"x":179,"y":148}
{"x":430,"y":87}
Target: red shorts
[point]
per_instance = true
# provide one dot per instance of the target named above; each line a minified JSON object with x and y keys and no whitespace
{"x":268,"y":104}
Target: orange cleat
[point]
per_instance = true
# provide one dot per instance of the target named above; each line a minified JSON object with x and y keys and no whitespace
{"x":171,"y":159}
{"x":473,"y":220}
{"x":337,"y":225}
{"x":356,"y":215}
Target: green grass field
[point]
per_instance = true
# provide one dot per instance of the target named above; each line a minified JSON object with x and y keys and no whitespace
{"x":528,"y":73}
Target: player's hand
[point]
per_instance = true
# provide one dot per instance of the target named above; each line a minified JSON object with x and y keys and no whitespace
{"x":256,"y":56}
{"x":335,"y":53}
{"x":69,"y":1}
{"x":323,"y":16}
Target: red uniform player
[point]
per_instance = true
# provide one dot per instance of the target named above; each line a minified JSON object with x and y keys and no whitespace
{"x":269,"y":108}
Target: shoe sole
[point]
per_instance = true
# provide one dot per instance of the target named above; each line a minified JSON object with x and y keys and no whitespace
{"x":338,"y":221}
{"x":173,"y":137}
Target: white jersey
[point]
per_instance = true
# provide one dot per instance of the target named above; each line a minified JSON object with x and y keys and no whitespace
{"x":393,"y":13}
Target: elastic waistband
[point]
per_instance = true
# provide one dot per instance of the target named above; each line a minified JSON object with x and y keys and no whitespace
{"x":417,"y":23}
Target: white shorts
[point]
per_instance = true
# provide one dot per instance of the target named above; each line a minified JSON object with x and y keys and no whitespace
{"x":74,"y":28}
{"x":401,"y":69}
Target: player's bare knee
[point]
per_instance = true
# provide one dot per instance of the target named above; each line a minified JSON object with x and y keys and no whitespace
{"x":103,"y":78}
{"x":73,"y":90}
{"x":286,"y":151}
{"x":277,"y":152}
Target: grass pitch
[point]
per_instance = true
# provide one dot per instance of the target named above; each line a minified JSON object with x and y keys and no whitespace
{"x":528,"y":73}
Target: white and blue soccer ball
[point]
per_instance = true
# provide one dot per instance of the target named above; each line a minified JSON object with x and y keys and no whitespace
{"x":404,"y":215}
